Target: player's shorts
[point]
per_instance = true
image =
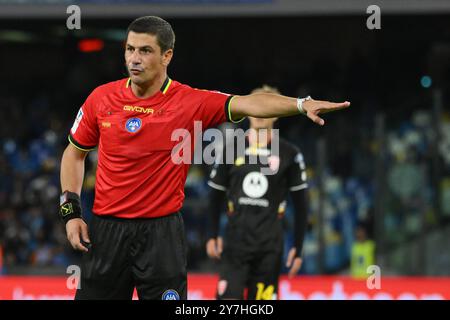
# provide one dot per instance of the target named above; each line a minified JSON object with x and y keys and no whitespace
{"x":146,"y":254}
{"x":255,"y":274}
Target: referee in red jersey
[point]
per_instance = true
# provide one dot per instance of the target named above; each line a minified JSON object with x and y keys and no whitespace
{"x":136,"y":237}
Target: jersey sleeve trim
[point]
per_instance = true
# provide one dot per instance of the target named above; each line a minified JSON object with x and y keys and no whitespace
{"x":228,"y":111}
{"x":216,"y":186}
{"x":80,"y":146}
{"x":299,"y":187}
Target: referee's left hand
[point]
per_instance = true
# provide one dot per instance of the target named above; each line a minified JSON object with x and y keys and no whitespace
{"x":293,"y":262}
{"x":315,"y":107}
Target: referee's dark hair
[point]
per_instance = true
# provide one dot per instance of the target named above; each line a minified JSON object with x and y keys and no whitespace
{"x":155,"y":26}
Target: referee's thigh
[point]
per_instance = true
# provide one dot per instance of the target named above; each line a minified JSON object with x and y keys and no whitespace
{"x":105,"y":269}
{"x":158,"y":256}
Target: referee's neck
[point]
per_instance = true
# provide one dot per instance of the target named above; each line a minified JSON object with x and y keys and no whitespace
{"x":148,"y":89}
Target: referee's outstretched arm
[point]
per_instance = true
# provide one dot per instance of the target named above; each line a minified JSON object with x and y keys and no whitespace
{"x":269,"y":105}
{"x":72,"y":175}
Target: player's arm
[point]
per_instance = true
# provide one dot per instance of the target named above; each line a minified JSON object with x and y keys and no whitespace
{"x":268,"y":105}
{"x":298,"y":184}
{"x":72,"y":175}
{"x":300,"y":202}
{"x":214,"y":245}
{"x":218,"y":182}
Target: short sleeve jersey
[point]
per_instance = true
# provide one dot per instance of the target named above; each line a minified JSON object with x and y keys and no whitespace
{"x":137,"y":173}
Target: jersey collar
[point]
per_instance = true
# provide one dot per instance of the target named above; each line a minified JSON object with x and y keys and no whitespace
{"x":165,"y":86}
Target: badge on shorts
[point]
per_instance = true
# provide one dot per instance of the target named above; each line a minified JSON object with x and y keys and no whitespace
{"x":170,"y":295}
{"x":133,"y":125}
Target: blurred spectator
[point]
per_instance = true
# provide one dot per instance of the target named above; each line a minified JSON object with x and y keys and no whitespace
{"x":363,"y":253}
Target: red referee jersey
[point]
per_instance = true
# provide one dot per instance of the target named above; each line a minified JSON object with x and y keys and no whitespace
{"x":136,"y":176}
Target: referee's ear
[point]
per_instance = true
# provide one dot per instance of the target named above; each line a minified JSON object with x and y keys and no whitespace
{"x":167,"y":57}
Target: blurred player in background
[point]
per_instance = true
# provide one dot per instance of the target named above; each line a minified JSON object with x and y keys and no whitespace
{"x":136,"y":237}
{"x":252,"y":249}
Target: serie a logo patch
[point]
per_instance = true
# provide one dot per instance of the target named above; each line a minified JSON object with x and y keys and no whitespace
{"x":77,"y":121}
{"x":133,"y":125}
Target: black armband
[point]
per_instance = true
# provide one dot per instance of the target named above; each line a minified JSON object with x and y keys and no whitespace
{"x":69,"y":206}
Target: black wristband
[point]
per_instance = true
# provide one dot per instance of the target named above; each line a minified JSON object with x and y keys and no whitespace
{"x":69,"y":206}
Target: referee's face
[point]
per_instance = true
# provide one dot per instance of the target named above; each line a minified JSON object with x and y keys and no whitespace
{"x":144,"y":59}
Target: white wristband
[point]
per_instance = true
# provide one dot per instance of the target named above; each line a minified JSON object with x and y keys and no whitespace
{"x":300,"y":104}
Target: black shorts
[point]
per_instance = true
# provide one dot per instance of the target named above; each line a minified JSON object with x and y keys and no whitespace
{"x":254,"y":273}
{"x":146,"y":254}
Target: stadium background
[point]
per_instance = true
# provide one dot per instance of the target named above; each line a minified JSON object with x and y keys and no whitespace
{"x":385,"y":162}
